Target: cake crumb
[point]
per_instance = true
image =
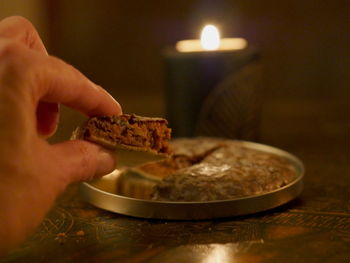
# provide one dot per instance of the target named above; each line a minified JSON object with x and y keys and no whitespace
{"x":80,"y":233}
{"x":60,"y":237}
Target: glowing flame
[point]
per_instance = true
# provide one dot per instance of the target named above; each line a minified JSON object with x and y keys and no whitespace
{"x":211,"y":42}
{"x":210,"y":38}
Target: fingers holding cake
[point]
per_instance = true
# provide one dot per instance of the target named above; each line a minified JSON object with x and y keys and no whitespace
{"x":32,"y":85}
{"x":24,"y":55}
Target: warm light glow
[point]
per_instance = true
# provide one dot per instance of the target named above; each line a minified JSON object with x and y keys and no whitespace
{"x":210,"y":38}
{"x":218,"y":253}
{"x":210,"y":42}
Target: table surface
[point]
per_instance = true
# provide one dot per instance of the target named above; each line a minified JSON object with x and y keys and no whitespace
{"x":313,"y":228}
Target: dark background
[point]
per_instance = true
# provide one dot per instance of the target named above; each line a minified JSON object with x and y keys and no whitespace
{"x":305,"y":49}
{"x":305,"y":57}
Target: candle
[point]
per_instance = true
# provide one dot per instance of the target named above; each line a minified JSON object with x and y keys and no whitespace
{"x":210,"y":41}
{"x":193,"y":70}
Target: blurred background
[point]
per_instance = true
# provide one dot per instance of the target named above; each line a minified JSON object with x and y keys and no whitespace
{"x":304,"y":47}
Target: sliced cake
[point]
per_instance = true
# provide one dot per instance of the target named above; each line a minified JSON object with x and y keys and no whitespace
{"x":127,"y":131}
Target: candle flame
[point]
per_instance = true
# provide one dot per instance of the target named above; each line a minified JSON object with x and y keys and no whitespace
{"x":210,"y":38}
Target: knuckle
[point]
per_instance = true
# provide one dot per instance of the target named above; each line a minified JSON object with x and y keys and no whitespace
{"x":13,"y":65}
{"x":9,"y":49}
{"x":86,"y":161}
{"x":22,"y":30}
{"x":20,"y":21}
{"x":83,"y":153}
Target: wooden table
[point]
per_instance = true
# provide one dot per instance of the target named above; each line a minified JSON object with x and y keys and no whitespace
{"x":313,"y":228}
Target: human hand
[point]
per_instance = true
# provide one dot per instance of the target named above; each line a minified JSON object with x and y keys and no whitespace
{"x":32,"y":172}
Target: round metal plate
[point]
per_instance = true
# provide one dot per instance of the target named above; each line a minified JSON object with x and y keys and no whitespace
{"x":101,"y":193}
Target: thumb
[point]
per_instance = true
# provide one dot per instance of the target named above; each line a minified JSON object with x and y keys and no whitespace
{"x":82,"y":160}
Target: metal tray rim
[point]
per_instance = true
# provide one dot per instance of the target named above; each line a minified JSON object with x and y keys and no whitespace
{"x":90,"y":190}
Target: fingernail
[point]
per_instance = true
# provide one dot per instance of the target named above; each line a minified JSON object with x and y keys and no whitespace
{"x":119,"y":106}
{"x":106,"y":163}
{"x":119,"y":110}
